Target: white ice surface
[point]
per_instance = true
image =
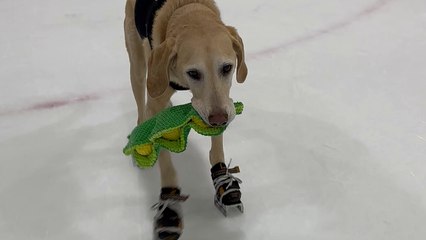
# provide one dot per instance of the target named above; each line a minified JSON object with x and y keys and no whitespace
{"x":332,"y":144}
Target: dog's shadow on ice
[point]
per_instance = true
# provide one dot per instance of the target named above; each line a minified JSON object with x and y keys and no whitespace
{"x":202,"y":220}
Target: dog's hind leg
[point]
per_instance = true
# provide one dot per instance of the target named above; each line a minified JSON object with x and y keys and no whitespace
{"x":136,"y":49}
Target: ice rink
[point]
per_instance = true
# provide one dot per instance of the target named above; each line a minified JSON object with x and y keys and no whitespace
{"x":332,"y":143}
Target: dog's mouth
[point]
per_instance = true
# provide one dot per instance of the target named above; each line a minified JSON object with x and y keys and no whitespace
{"x":212,"y":119}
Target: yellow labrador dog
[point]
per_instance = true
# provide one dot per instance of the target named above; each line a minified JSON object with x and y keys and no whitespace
{"x":184,"y":45}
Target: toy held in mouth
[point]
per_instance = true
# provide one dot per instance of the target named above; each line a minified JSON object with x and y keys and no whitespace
{"x":168,"y":129}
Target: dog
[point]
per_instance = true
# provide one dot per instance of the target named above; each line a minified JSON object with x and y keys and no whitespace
{"x":176,"y":45}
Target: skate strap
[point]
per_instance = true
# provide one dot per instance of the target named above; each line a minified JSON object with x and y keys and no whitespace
{"x":181,"y":198}
{"x":177,"y":230}
{"x":225,"y":171}
{"x":170,"y":202}
{"x":235,"y":169}
{"x":226,"y":179}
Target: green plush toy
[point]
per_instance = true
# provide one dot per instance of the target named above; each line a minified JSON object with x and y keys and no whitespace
{"x":168,"y":129}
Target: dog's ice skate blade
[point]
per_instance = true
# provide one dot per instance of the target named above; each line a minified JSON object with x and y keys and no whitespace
{"x":225,"y":209}
{"x":228,"y":194}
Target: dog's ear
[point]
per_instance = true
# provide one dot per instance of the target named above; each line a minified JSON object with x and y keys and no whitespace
{"x":238,"y":45}
{"x":159,"y":63}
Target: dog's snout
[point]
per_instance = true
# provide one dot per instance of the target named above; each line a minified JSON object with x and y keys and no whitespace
{"x":218,"y":119}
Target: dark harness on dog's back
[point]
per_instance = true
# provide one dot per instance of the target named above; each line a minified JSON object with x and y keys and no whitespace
{"x":145,"y":11}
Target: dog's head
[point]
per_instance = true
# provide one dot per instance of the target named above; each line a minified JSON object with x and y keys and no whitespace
{"x":204,"y":61}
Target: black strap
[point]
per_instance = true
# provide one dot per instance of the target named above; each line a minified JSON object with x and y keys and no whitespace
{"x":145,"y":11}
{"x":177,"y":87}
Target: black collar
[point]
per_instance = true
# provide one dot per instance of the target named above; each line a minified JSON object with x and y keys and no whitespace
{"x":177,"y":87}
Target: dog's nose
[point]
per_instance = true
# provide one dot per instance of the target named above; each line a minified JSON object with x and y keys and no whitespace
{"x":218,"y":119}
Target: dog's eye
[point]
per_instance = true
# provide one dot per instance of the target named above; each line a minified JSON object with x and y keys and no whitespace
{"x":227,"y":68}
{"x":194,"y":74}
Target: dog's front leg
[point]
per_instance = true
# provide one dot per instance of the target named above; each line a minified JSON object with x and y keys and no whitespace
{"x":167,"y":170}
{"x":168,"y":220}
{"x":228,"y":194}
{"x":216,"y":152}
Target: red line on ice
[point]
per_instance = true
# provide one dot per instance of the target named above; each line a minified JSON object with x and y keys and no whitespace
{"x":255,"y":56}
{"x":52,"y":104}
{"x":318,"y":33}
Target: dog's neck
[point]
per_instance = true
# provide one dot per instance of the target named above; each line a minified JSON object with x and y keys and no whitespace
{"x":180,"y":21}
{"x":191,"y":8}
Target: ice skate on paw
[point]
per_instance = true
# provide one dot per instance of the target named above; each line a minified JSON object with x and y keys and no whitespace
{"x":168,"y":224}
{"x":228,"y":194}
